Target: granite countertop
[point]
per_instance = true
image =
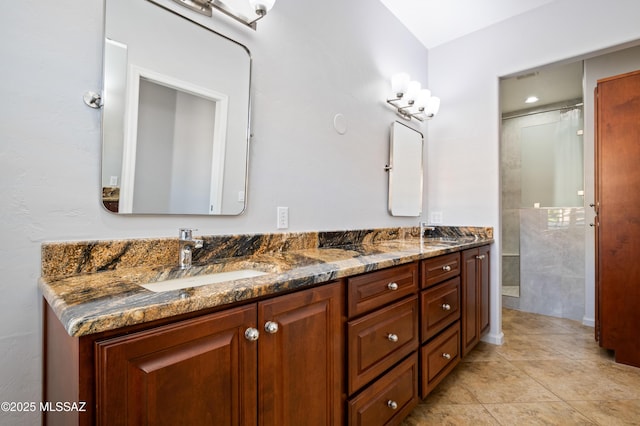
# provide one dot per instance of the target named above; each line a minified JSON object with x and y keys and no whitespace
{"x":90,"y":300}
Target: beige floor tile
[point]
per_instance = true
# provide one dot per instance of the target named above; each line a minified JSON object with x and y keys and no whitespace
{"x":528,"y":347}
{"x":451,"y":391}
{"x":578,"y":380}
{"x":450,"y":415}
{"x":526,"y":323}
{"x":484,"y":352}
{"x":500,"y":382}
{"x":537,"y":413}
{"x":610,"y":413}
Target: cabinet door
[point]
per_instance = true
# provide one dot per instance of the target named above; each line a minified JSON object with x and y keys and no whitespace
{"x":618,"y":209}
{"x":300,"y":358}
{"x":197,"y":372}
{"x":470,"y":329}
{"x":483,"y":287}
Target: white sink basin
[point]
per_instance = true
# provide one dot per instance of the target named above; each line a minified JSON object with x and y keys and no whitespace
{"x":200,"y":280}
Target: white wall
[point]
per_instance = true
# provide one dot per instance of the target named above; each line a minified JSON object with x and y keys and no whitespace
{"x":463,"y":150}
{"x":311,"y":60}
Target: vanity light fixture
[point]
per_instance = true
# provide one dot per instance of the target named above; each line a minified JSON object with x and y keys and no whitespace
{"x":410,"y":100}
{"x":260,"y":8}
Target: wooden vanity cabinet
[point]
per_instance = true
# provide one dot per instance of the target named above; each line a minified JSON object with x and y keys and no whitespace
{"x":382,"y":343}
{"x":200,"y":371}
{"x":205,"y":370}
{"x":475,"y":296}
{"x":439,"y":319}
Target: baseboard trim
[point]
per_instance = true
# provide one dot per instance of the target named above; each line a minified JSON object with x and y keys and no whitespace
{"x":494,"y":339}
{"x":588,"y":321}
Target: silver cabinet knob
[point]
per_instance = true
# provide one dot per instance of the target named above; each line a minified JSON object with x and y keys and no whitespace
{"x":251,"y":334}
{"x":271,"y":327}
{"x":446,"y":307}
{"x":446,"y":268}
{"x":482,"y":256}
{"x":392,"y":404}
{"x":392,"y":286}
{"x":446,"y":356}
{"x":392,"y":337}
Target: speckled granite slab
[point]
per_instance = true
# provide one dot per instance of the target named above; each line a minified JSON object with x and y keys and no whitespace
{"x":94,"y":286}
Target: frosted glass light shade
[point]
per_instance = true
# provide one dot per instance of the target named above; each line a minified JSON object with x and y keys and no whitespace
{"x":423,"y":98}
{"x":400,"y":82}
{"x":262,"y":4}
{"x":433,"y":106}
{"x":413,"y":90}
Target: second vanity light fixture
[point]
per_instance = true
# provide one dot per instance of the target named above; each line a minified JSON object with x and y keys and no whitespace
{"x":260,"y":7}
{"x":410,"y":100}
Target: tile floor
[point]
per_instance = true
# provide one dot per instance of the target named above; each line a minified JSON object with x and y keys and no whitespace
{"x":549,"y":371}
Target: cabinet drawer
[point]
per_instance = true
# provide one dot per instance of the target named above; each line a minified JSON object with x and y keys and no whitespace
{"x":375,"y":289}
{"x":439,"y":357}
{"x":389,"y":400}
{"x":440,"y":306}
{"x":378,"y":340}
{"x":439,"y":268}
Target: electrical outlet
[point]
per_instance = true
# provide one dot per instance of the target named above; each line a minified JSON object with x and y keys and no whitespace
{"x":113,"y":181}
{"x":436,"y":218}
{"x":283,"y":217}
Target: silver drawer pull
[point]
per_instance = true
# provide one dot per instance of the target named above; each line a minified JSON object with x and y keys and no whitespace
{"x":392,"y":337}
{"x":271,"y":327}
{"x":392,"y":286}
{"x":446,"y":307}
{"x":446,"y":356}
{"x":446,"y":268}
{"x":392,"y":404}
{"x":482,"y":256}
{"x":251,"y":334}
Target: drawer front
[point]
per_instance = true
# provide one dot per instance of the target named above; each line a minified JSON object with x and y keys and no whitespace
{"x":440,"y":306}
{"x":388,"y":400}
{"x":439,"y":357}
{"x":376,"y":289}
{"x":378,"y":340}
{"x":439,"y":268}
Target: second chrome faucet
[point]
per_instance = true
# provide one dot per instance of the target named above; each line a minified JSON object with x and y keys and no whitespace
{"x":187,"y":244}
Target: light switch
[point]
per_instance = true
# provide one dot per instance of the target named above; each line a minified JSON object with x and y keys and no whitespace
{"x":283,"y":217}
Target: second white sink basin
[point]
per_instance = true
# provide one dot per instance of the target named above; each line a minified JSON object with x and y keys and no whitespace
{"x":200,"y":280}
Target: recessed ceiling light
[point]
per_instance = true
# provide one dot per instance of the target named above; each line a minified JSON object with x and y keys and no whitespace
{"x":531,"y":100}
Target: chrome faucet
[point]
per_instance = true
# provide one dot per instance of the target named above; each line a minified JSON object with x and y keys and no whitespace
{"x":424,"y":226}
{"x":187,"y":244}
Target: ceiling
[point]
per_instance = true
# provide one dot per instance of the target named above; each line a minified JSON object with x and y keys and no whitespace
{"x":435,"y":22}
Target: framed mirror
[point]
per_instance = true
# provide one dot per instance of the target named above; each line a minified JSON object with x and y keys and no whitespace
{"x":175,"y":122}
{"x":405,"y":171}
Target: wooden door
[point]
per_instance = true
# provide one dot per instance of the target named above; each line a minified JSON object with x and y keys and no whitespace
{"x":469,"y":313}
{"x":195,"y":372}
{"x":300,"y":358}
{"x":484,"y":289}
{"x":618,"y":215}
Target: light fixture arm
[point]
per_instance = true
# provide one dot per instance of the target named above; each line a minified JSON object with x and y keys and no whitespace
{"x":205,"y":7}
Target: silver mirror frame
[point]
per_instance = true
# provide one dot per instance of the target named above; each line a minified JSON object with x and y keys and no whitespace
{"x":247,"y":131}
{"x":406,"y":170}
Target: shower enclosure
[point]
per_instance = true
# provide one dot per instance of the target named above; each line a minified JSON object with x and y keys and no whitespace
{"x":543,"y":210}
